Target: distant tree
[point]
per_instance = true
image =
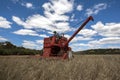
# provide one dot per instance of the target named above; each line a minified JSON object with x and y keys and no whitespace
{"x":9,"y":45}
{"x":7,"y":48}
{"x":99,"y":51}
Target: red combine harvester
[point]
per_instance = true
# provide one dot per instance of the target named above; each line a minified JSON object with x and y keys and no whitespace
{"x":58,"y":46}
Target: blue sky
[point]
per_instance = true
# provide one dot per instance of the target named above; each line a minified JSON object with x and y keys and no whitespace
{"x":26,"y":22}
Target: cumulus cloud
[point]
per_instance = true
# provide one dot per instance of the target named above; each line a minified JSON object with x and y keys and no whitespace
{"x":31,"y":45}
{"x":43,"y":35}
{"x":108,"y":42}
{"x":34,"y":21}
{"x":107,"y":29}
{"x":81,"y":38}
{"x":87,"y":32}
{"x":26,"y":32}
{"x":39,"y":22}
{"x":59,"y":6}
{"x":2,"y":39}
{"x":79,"y":8}
{"x":29,"y":32}
{"x":4,"y":23}
{"x":54,"y":19}
{"x":96,"y":9}
{"x":78,"y":38}
{"x":18,"y":20}
{"x":27,"y":5}
{"x":39,"y":41}
{"x":79,"y":46}
{"x":109,"y":33}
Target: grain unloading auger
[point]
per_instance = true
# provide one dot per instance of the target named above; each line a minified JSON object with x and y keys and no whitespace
{"x":58,"y":46}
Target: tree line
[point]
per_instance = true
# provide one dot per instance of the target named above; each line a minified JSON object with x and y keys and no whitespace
{"x":100,"y":51}
{"x":7,"y":48}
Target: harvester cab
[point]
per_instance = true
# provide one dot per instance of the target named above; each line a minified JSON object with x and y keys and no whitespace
{"x":58,"y":46}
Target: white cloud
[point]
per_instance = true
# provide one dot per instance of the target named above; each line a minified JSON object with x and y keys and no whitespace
{"x":87,"y":32}
{"x":59,"y":6}
{"x":108,"y":42}
{"x":39,"y":41}
{"x":35,"y":21}
{"x":78,"y":38}
{"x":26,"y":32}
{"x":107,"y":29}
{"x":23,"y":3}
{"x":55,"y":11}
{"x":67,"y":36}
{"x":111,"y":42}
{"x":54,"y":18}
{"x":4,"y":23}
{"x":113,"y":46}
{"x":32,"y":45}
{"x":27,"y":5}
{"x":49,"y":32}
{"x":2,"y":39}
{"x":81,"y":38}
{"x":39,"y":22}
{"x":18,"y":21}
{"x":72,"y":18}
{"x":29,"y":32}
{"x":43,"y":35}
{"x":96,"y":9}
{"x":110,"y":36}
{"x":79,"y":7}
{"x":79,"y":46}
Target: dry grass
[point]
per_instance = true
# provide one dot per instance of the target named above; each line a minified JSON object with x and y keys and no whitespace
{"x":82,"y":67}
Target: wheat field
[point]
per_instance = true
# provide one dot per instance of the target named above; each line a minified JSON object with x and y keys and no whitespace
{"x":81,"y":67}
